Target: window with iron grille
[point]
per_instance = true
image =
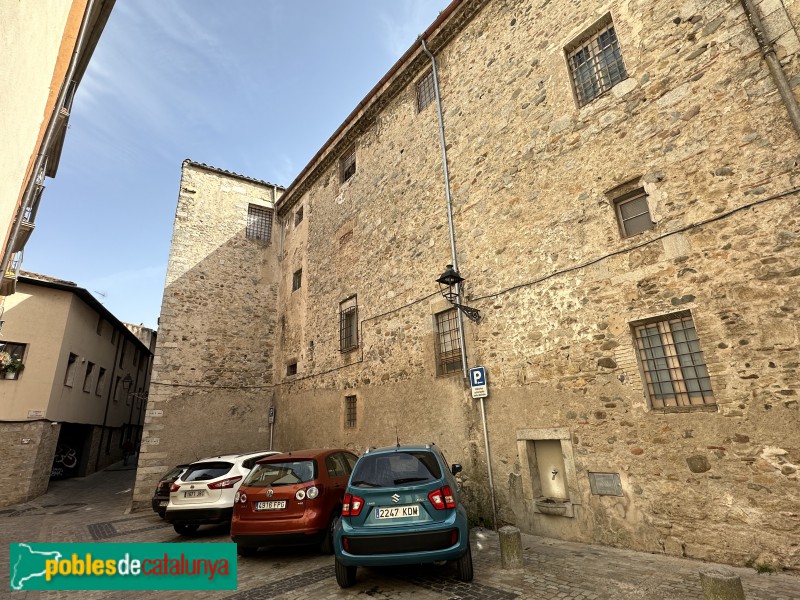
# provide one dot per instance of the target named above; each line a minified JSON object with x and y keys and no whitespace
{"x":297,"y":279}
{"x":347,"y":164}
{"x":425,"y":91}
{"x":348,"y":325}
{"x":595,"y":61}
{"x":633,"y":213}
{"x":259,"y":223}
{"x":298,"y":216}
{"x":672,"y":363}
{"x":291,"y":369}
{"x":448,"y":345}
{"x":349,"y":411}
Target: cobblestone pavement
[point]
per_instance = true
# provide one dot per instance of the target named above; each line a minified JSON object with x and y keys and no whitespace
{"x":94,"y":509}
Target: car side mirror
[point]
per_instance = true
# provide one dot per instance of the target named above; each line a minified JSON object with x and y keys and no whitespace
{"x":456,"y":468}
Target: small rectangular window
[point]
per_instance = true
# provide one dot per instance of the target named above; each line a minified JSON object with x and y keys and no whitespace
{"x":87,"y":381}
{"x":122,"y":352}
{"x":672,"y":363}
{"x":12,"y":356}
{"x":348,"y":325}
{"x":595,"y":61}
{"x":447,"y":343}
{"x":101,"y":382}
{"x":99,"y":325}
{"x":425,"y":91}
{"x":291,"y":369}
{"x":117,"y":381}
{"x":298,"y":216}
{"x":349,"y":411}
{"x":633,"y":213}
{"x":347,"y":164}
{"x":259,"y":223}
{"x":72,"y":365}
{"x":114,"y":335}
{"x":297,"y":279}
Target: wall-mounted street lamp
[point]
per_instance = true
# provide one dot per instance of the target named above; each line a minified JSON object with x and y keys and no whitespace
{"x":448,"y":286}
{"x":126,"y":383}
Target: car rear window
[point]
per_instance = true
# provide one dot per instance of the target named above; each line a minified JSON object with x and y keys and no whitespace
{"x":287,"y":472}
{"x":173,"y":474}
{"x":206,"y":471}
{"x":396,"y":468}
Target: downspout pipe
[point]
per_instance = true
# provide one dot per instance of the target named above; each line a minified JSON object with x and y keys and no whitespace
{"x":52,"y":126}
{"x":454,"y":262}
{"x":771,"y":58}
{"x":449,"y":200}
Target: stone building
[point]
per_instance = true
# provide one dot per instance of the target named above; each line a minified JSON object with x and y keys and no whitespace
{"x":73,"y":385}
{"x":45,"y":48}
{"x":623,"y":183}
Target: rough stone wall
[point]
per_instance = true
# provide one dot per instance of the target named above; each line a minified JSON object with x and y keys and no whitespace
{"x":27,"y":450}
{"x":211,"y":384}
{"x":699,"y":122}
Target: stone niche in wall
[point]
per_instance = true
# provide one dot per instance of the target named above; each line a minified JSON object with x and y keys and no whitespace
{"x":549,"y":481}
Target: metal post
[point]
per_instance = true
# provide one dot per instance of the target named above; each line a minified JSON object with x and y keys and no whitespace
{"x":489,"y":465}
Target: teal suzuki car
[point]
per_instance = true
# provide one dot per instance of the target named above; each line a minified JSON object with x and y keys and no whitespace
{"x":401,"y":507}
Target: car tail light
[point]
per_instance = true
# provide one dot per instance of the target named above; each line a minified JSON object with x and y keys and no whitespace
{"x":244,"y":498}
{"x":346,"y":544}
{"x":442,"y":498}
{"x":225,"y":484}
{"x":454,"y":537}
{"x":300,"y":495}
{"x":352,"y":505}
{"x":174,"y":487}
{"x":236,"y":497}
{"x":313,"y":492}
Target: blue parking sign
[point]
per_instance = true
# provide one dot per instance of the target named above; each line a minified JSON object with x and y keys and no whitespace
{"x":477,"y":379}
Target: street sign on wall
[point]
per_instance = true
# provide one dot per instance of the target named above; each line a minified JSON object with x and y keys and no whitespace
{"x":477,"y":379}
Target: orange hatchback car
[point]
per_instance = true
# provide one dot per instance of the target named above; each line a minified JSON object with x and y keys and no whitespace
{"x":291,"y":499}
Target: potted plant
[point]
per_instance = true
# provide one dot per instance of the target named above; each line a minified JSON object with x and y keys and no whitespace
{"x":10,"y":366}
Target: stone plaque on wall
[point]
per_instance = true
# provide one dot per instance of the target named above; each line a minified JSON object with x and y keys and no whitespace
{"x":605,"y":484}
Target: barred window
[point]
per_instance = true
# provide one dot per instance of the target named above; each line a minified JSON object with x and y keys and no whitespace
{"x":259,"y":223}
{"x":291,"y":369}
{"x":425,"y":91}
{"x":347,"y":164}
{"x":595,"y":61}
{"x":348,"y":325}
{"x":349,"y":411}
{"x":674,"y":369}
{"x":297,"y":279}
{"x":633,"y":213}
{"x":447,"y":343}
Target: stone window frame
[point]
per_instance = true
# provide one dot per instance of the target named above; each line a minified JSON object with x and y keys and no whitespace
{"x":348,"y":324}
{"x":676,"y":368}
{"x":531,"y":487}
{"x":291,"y":368}
{"x":350,"y":412}
{"x":625,"y":195}
{"x":347,"y":164}
{"x":298,"y":216}
{"x":297,"y":280}
{"x":595,"y":63}
{"x":426,"y":91}
{"x":259,"y":223}
{"x":447,"y":343}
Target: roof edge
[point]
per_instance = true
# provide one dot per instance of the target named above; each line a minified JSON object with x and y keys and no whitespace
{"x":206,"y":167}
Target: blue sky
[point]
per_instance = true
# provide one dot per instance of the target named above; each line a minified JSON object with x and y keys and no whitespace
{"x":251,"y":86}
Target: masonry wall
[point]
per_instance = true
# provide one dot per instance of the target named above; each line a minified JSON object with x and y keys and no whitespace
{"x":700,"y":128}
{"x":699,"y":123}
{"x":27,"y":449}
{"x":212,"y":370}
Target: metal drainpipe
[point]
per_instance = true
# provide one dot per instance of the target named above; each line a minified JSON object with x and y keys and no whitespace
{"x":453,"y":254}
{"x":454,"y":260}
{"x":778,"y":75}
{"x":48,"y":136}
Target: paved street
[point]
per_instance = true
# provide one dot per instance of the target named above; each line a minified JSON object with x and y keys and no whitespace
{"x":93,"y":509}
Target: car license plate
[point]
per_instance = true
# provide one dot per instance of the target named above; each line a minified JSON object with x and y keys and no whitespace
{"x":271,"y":505}
{"x":397,"y":512}
{"x":163,"y":503}
{"x":194,"y":493}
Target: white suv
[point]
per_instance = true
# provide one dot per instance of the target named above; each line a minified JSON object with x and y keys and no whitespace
{"x":204,"y":493}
